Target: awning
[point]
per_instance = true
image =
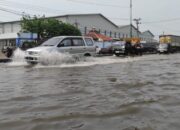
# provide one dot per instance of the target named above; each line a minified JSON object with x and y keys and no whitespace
{"x":98,"y":36}
{"x":29,"y":36}
{"x":8,"y":36}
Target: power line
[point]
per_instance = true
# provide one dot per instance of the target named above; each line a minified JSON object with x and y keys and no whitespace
{"x":31,"y":7}
{"x":162,"y":21}
{"x":11,"y":11}
{"x":97,"y":4}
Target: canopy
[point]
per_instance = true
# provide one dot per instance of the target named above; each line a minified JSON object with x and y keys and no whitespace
{"x":98,"y":36}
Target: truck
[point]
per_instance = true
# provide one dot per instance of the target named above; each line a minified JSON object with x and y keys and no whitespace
{"x":169,"y":44}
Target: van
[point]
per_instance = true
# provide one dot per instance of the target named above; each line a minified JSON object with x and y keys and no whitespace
{"x":74,"y":45}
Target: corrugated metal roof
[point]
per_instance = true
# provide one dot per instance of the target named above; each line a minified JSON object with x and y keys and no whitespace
{"x":98,"y":36}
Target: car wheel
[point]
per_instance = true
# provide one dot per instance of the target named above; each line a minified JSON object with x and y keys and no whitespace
{"x":87,"y":54}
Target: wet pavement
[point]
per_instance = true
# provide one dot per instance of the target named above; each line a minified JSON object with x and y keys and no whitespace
{"x":104,"y":93}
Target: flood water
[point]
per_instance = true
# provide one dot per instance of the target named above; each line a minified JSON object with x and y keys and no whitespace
{"x":103,"y":93}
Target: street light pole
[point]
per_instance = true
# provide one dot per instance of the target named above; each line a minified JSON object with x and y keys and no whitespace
{"x":130,"y":18}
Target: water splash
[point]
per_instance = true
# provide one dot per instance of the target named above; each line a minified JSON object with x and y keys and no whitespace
{"x":64,"y":60}
{"x":56,"y":58}
{"x":88,"y":61}
{"x":18,"y":58}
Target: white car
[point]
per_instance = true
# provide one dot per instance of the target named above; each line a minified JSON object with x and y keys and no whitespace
{"x":163,"y":48}
{"x":75,"y":45}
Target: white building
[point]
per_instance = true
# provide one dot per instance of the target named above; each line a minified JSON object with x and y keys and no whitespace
{"x":85,"y":22}
{"x":147,"y":36}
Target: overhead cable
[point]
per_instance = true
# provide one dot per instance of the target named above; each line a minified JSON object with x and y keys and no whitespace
{"x":97,"y":4}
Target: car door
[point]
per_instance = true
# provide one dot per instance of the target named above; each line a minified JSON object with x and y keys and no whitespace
{"x":78,"y":46}
{"x":65,"y":46}
{"x":90,"y":47}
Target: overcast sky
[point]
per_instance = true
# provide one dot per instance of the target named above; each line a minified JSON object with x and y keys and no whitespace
{"x":157,"y":16}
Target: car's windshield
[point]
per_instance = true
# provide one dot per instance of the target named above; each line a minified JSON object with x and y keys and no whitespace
{"x":119,"y":43}
{"x":52,"y":42}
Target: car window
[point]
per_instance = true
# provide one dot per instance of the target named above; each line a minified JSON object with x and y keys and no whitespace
{"x":78,"y":42}
{"x":65,"y":43}
{"x":89,"y":42}
{"x":51,"y":42}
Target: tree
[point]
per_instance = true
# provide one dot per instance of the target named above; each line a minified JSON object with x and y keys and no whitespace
{"x":47,"y":27}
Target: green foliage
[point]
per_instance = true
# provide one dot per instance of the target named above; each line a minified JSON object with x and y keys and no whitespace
{"x":48,"y":27}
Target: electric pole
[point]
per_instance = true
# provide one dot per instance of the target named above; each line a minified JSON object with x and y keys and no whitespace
{"x":130,"y":18}
{"x":137,"y":24}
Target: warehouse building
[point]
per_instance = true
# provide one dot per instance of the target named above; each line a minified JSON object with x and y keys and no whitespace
{"x":85,"y":22}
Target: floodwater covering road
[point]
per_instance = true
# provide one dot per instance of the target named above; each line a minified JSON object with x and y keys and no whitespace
{"x":104,"y":93}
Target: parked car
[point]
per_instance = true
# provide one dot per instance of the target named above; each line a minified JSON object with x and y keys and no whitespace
{"x":118,"y":48}
{"x":164,"y":48}
{"x":75,"y":45}
{"x":150,"y":47}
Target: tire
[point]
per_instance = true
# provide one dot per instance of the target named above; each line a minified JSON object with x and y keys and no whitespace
{"x":87,"y":55}
{"x":117,"y":54}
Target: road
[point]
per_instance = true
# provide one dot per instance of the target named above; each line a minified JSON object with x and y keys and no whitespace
{"x":105,"y":93}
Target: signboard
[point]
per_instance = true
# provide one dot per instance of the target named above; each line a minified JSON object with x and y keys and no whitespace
{"x":27,"y":35}
{"x":22,"y":37}
{"x":165,"y":39}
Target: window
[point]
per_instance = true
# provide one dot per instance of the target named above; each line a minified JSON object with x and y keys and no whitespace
{"x":78,"y":42}
{"x":89,"y":42}
{"x":66,"y":43}
{"x":51,"y":42}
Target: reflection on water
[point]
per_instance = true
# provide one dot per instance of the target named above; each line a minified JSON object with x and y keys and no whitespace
{"x":105,"y":93}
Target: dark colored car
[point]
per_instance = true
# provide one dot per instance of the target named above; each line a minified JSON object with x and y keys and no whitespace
{"x":118,"y":48}
{"x":150,"y":48}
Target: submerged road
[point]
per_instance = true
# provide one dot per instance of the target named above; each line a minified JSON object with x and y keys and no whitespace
{"x":105,"y":93}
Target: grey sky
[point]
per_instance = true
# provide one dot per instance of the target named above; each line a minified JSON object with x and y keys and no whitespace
{"x":157,"y":15}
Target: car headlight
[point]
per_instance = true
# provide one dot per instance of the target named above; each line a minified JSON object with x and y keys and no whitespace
{"x":123,"y":47}
{"x":32,"y":53}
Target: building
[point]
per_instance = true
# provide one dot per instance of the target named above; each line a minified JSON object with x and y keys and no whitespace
{"x":85,"y":22}
{"x":125,"y":31}
{"x":147,"y":36}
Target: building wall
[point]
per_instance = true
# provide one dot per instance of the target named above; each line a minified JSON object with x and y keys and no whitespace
{"x":86,"y":23}
{"x":63,"y":19}
{"x":16,"y":27}
{"x":10,"y":27}
{"x":146,"y":36}
{"x":126,"y":31}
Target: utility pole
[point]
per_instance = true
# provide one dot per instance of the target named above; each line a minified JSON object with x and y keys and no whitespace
{"x":137,"y":24}
{"x":130,"y":18}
